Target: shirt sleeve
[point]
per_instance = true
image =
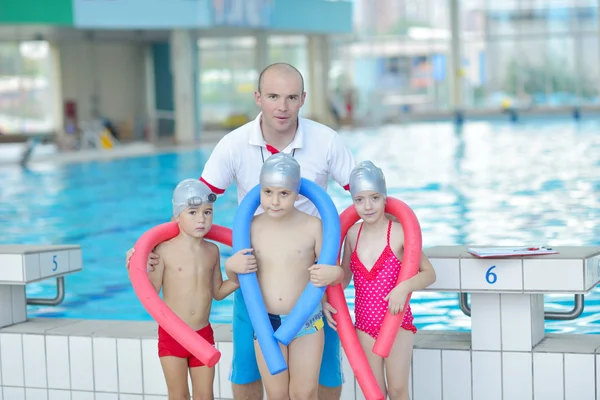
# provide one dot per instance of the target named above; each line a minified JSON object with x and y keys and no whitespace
{"x":218,"y":171}
{"x":341,"y":162}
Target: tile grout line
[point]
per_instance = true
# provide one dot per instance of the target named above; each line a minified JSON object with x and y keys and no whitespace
{"x":471,"y":372}
{"x":117,"y":362}
{"x":412,"y":375}
{"x":46,"y":359}
{"x":442,"y":374}
{"x":93,"y":366}
{"x":564,"y":374}
{"x":142,"y":369}
{"x":69,"y":358}
{"x":501,"y":377}
{"x":23,"y":356}
{"x":595,"y":376}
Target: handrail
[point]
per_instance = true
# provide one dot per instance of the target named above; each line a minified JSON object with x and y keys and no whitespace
{"x":572,"y":314}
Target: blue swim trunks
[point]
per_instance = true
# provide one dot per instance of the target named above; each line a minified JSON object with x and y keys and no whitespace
{"x":243,"y":365}
{"x":312,"y":325}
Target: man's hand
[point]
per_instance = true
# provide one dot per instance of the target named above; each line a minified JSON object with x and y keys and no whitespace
{"x":328,"y":312}
{"x":152,"y":260}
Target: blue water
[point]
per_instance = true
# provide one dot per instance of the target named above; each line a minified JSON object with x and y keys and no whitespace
{"x":490,"y":182}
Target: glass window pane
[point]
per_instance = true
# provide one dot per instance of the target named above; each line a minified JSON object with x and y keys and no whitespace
{"x":588,"y":68}
{"x":227,"y":77}
{"x":26,"y":94}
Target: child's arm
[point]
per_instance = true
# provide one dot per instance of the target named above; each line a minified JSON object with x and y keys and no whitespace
{"x":425,"y":277}
{"x":221,"y":289}
{"x":347,"y":275}
{"x":156,"y":275}
{"x":320,"y":274}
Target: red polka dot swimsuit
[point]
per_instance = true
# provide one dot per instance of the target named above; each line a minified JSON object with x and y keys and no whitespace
{"x":372,"y":286}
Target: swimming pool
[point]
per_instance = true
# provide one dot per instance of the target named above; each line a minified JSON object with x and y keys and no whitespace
{"x":535,"y":182}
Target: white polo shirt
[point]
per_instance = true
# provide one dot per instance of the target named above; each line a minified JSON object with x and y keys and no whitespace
{"x":240,"y":155}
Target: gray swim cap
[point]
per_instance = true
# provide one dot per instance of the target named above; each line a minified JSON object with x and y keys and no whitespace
{"x":191,"y":192}
{"x":366,"y":176}
{"x":281,"y":170}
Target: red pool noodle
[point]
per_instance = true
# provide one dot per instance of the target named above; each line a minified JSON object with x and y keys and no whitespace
{"x":411,"y":262}
{"x":352,"y":347}
{"x":152,"y":302}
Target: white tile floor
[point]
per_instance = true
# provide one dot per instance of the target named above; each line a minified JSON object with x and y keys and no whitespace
{"x":81,"y":359}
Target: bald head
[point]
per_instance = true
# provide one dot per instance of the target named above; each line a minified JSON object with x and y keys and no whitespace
{"x":279,"y":69}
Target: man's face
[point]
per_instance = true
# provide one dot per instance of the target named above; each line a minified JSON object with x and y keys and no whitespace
{"x":280,"y":99}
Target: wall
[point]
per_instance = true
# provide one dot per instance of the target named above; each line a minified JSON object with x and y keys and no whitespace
{"x":105,"y":77}
{"x":56,"y":359}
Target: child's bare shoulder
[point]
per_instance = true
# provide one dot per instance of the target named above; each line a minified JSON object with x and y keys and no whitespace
{"x":257,"y":219}
{"x":212,"y":248}
{"x":163,"y":248}
{"x":353,"y":231}
{"x":397,"y":234}
{"x":311,"y":220}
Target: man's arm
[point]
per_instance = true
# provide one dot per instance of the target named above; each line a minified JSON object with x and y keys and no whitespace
{"x":340,"y":161}
{"x":219,"y":171}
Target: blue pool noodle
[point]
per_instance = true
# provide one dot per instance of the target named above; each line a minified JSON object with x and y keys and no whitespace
{"x":312,"y":295}
{"x":249,"y":285}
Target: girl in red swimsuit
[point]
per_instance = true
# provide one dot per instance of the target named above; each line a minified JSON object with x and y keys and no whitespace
{"x":375,"y":274}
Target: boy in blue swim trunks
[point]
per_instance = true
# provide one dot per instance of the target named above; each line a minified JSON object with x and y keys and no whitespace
{"x":285,"y":245}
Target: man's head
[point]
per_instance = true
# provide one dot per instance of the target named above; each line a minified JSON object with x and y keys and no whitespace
{"x":279,"y":184}
{"x":193,"y":207}
{"x":280,"y":96}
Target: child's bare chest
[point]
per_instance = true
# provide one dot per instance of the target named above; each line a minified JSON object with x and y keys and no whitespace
{"x":189,"y":266}
{"x":281,"y":247}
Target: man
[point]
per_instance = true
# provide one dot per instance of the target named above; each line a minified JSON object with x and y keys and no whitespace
{"x":238,"y":157}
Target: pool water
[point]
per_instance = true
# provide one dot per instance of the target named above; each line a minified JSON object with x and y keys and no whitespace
{"x":534,"y":182}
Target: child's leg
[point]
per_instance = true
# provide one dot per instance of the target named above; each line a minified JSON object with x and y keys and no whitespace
{"x":376,"y":362}
{"x":202,"y":382}
{"x":176,"y":375}
{"x":305,"y":354}
{"x":397,"y":365}
{"x":276,"y":386}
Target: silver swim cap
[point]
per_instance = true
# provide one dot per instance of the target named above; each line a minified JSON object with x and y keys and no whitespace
{"x":366,"y":176}
{"x":281,"y":170}
{"x":191,"y":192}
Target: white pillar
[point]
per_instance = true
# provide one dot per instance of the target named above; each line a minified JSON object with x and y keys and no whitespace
{"x":318,"y":79}
{"x":150,"y":95}
{"x":184,"y":69}
{"x":261,"y":55}
{"x":58,"y":120}
{"x":455,"y":57}
{"x":506,"y":321}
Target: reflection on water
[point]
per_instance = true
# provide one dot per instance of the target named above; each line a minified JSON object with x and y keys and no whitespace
{"x":488,"y":183}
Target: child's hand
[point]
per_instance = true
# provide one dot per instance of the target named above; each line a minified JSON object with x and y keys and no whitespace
{"x":241,"y":263}
{"x":396,"y":298}
{"x":324,"y":275}
{"x":328,"y":310}
{"x":152,"y":260}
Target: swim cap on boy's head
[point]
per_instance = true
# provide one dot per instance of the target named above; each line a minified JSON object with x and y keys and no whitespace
{"x":281,"y":170}
{"x":191,"y":192}
{"x":366,"y":176}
